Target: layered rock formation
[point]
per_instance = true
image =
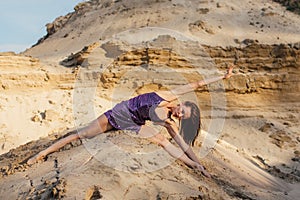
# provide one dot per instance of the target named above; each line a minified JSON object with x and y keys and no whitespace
{"x":107,"y":51}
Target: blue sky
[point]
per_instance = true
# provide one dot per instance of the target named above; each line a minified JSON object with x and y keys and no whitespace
{"x":22,"y":22}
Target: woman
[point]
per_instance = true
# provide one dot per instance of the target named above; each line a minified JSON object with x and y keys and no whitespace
{"x":157,"y":107}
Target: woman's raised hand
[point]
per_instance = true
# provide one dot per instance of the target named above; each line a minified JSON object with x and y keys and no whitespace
{"x":229,"y":72}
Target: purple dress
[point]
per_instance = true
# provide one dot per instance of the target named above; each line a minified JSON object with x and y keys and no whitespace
{"x":132,"y":114}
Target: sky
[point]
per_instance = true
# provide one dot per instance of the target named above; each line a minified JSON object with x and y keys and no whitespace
{"x":23,"y":22}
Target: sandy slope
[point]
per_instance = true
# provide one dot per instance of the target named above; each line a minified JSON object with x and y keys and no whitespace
{"x":257,"y":153}
{"x":74,"y":173}
{"x":246,"y":163}
{"x":216,"y":23}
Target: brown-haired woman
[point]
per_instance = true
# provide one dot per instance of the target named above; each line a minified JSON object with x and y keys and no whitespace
{"x":157,"y":107}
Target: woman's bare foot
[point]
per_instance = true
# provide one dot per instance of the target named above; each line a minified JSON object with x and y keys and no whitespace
{"x":35,"y":159}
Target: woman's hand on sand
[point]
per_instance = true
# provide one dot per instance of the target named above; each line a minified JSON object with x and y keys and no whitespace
{"x":202,"y":170}
{"x":229,"y":72}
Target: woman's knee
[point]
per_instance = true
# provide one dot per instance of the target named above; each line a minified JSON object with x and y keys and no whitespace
{"x":99,"y":125}
{"x":103,"y":123}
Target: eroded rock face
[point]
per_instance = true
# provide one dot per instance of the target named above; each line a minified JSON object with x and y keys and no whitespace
{"x":258,"y":66}
{"x":261,"y":66}
{"x":12,"y":67}
{"x":19,"y":72}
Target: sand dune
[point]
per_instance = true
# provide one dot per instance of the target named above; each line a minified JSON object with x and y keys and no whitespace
{"x":107,"y":51}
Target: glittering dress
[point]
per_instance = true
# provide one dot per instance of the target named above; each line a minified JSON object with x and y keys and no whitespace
{"x":132,"y":114}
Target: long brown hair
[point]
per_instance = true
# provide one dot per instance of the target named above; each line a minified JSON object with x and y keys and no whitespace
{"x":190,"y":127}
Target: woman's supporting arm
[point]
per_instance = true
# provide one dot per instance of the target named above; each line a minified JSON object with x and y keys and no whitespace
{"x":172,"y":150}
{"x":184,"y":147}
{"x":178,"y":153}
{"x":174,"y":132}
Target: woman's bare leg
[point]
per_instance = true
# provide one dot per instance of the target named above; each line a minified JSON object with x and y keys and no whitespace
{"x":99,"y":125}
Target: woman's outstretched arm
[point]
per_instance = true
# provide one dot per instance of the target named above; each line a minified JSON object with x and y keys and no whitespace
{"x":174,"y":93}
{"x":193,"y":86}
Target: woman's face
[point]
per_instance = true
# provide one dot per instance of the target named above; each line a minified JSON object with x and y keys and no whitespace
{"x":182,"y":111}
